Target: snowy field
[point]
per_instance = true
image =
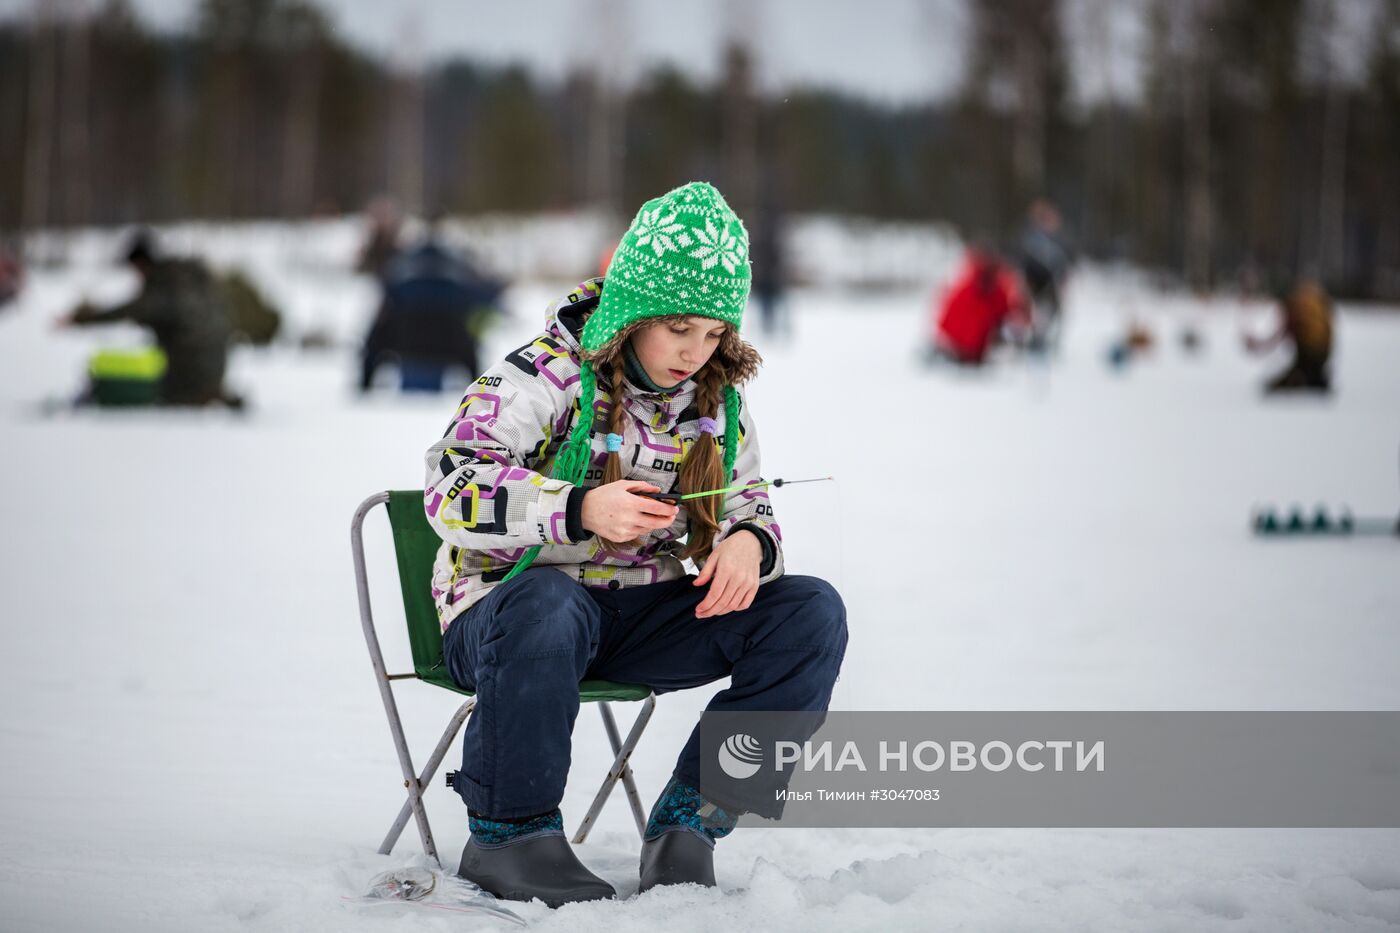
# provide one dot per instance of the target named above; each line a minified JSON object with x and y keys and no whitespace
{"x":192,"y":739}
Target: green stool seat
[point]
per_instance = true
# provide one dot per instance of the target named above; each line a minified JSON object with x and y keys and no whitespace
{"x":589,"y":691}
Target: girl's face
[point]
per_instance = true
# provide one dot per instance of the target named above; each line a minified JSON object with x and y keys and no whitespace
{"x":674,"y":349}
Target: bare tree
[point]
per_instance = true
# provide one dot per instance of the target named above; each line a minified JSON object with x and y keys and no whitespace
{"x":73,"y":106}
{"x":606,"y":127}
{"x":1196,"y":140}
{"x":740,"y":129}
{"x":1029,"y":62}
{"x":1330,"y":243}
{"x":39,"y":116}
{"x":406,"y":121}
{"x":302,"y":33}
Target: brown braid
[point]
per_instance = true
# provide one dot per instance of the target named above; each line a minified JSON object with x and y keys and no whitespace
{"x":703,"y":468}
{"x":612,"y":469}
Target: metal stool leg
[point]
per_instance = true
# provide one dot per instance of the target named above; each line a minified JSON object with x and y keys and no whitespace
{"x":619,"y":765}
{"x":425,"y":779}
{"x":629,"y":783}
{"x":386,"y":692}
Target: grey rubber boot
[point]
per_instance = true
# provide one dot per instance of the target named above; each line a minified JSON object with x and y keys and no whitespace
{"x":539,"y":865}
{"x":678,"y":856}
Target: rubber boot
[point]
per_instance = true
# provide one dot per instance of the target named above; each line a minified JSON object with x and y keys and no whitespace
{"x":538,"y":865}
{"x":677,"y":856}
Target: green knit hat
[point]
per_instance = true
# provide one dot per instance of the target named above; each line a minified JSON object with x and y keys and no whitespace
{"x":686,"y":253}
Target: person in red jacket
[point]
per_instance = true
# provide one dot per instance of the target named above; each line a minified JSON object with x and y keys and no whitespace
{"x":985,"y":295}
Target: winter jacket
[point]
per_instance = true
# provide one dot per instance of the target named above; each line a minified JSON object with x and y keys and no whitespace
{"x":983,"y":296}
{"x":1045,"y":258}
{"x":490,"y":497}
{"x":429,"y":315}
{"x":1307,"y":318}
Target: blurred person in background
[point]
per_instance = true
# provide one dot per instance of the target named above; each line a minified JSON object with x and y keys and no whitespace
{"x":1305,"y":320}
{"x":1045,"y":257}
{"x":434,"y":307}
{"x":984,"y":297}
{"x":183,"y":306}
{"x":381,"y":244}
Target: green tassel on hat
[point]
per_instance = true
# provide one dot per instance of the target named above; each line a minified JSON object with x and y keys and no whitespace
{"x":686,"y":252}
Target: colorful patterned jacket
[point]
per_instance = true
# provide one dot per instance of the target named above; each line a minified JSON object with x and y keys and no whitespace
{"x":489,"y":495}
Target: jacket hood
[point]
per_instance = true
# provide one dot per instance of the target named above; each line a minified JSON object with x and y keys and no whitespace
{"x":565,"y":319}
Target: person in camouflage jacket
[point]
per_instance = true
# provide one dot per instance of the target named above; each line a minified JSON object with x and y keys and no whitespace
{"x":182,"y":305}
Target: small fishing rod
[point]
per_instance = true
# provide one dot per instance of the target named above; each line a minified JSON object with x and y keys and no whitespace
{"x":677,"y":498}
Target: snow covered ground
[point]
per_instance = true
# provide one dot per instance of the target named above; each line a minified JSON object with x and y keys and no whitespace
{"x":192,"y":738}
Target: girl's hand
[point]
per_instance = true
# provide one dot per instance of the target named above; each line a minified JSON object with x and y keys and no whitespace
{"x":614,"y":513}
{"x":732,"y":572}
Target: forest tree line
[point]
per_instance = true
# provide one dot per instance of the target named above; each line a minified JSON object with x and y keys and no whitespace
{"x":1251,"y":151}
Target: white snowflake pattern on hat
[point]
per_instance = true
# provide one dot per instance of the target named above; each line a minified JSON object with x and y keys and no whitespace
{"x":657,"y":231}
{"x":718,"y":246}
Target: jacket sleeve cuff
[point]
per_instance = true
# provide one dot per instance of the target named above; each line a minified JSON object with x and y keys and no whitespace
{"x":770,"y":556}
{"x":573,"y":516}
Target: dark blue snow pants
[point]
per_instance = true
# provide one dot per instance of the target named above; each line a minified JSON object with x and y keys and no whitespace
{"x":526,"y":645}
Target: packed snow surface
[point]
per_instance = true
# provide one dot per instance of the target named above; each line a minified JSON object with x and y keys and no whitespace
{"x":192,"y":739}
